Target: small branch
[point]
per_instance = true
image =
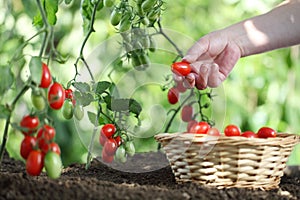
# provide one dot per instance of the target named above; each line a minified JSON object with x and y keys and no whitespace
{"x":12,"y":107}
{"x":169,"y":39}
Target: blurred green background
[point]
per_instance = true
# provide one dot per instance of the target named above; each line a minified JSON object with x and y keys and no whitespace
{"x":261,"y":91}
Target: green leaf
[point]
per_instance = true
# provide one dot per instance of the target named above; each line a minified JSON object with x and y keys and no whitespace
{"x":103,"y":120}
{"x":84,"y":99}
{"x":35,"y":67}
{"x":86,"y":13}
{"x":107,"y":100}
{"x":4,"y":112}
{"x":82,"y":87}
{"x":50,"y":8}
{"x":102,"y":86}
{"x":120,"y":105}
{"x":135,"y":107}
{"x":92,"y":117}
{"x":6,"y":79}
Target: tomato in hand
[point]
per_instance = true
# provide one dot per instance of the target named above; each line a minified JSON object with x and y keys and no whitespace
{"x":187,"y":113}
{"x":200,"y":127}
{"x":213,"y":131}
{"x":34,"y":163}
{"x":27,"y":146}
{"x":173,"y":95}
{"x":182,"y":68}
{"x":249,"y":134}
{"x":30,"y":123}
{"x":56,"y":96}
{"x":53,"y":164}
{"x":108,"y":130}
{"x":46,"y":77}
{"x":232,"y":130}
{"x":266,"y":132}
{"x":110,"y":146}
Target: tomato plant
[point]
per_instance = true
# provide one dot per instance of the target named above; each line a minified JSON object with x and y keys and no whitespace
{"x":30,"y":124}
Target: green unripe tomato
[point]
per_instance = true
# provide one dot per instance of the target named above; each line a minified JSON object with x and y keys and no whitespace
{"x":108,"y":3}
{"x":38,"y":99}
{"x":148,"y":5}
{"x":129,"y":148}
{"x":115,"y":17}
{"x":125,"y":23}
{"x":79,"y":112}
{"x":120,"y":154}
{"x":53,"y":164}
{"x":67,"y":109}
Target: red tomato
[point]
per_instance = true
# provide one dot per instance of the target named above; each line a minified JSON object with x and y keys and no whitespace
{"x":47,"y":132}
{"x":266,"y":132}
{"x":69,"y":94}
{"x":173,"y":95}
{"x":200,"y":127}
{"x":190,"y":124}
{"x":182,"y":68}
{"x":27,"y":146}
{"x":31,"y":124}
{"x":56,"y":96}
{"x":34,"y":163}
{"x":54,"y":147}
{"x":249,"y":134}
{"x":46,"y":77}
{"x":110,"y":146}
{"x":118,"y":140}
{"x":213,"y":131}
{"x":108,"y":130}
{"x":107,"y":158}
{"x":232,"y":130}
{"x":187,"y":113}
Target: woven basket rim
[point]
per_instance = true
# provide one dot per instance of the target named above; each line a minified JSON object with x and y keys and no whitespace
{"x":281,"y":139}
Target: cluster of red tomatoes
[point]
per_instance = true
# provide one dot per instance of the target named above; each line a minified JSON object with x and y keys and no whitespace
{"x":230,"y":130}
{"x":38,"y":147}
{"x":114,"y":147}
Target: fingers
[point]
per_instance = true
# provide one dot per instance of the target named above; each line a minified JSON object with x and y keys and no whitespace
{"x":199,"y":48}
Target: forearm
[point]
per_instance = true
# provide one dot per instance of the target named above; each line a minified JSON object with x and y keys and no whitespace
{"x":276,"y":29}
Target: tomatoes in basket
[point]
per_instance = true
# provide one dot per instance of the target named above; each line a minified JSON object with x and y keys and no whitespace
{"x":249,"y":134}
{"x":266,"y":132}
{"x":30,"y":124}
{"x":56,"y":96}
{"x":200,"y":127}
{"x":232,"y":130}
{"x":213,"y":131}
{"x":182,"y":68}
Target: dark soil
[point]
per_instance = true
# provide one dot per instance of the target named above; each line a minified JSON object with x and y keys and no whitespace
{"x":107,"y":182}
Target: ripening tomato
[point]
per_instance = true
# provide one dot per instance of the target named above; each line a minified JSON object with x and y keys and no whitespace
{"x":44,"y":137}
{"x":187,"y":113}
{"x":110,"y":146}
{"x":118,"y":140}
{"x":200,"y":127}
{"x":46,"y":77}
{"x":182,"y":68}
{"x":107,"y":158}
{"x":249,"y":134}
{"x":27,"y":145}
{"x":266,"y":132}
{"x":173,"y":95}
{"x":232,"y":130}
{"x":108,"y":130}
{"x":30,"y":123}
{"x":68,"y":109}
{"x":34,"y":163}
{"x":56,"y":96}
{"x":213,"y":131}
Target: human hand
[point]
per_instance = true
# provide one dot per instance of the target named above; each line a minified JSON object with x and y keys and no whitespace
{"x":212,"y":58}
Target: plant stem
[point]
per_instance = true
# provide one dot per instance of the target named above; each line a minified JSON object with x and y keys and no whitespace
{"x":12,"y":107}
{"x":169,"y":39}
{"x":177,"y":110}
{"x":90,"y":31}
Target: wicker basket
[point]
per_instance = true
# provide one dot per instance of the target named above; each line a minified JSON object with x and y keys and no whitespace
{"x":228,"y":161}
